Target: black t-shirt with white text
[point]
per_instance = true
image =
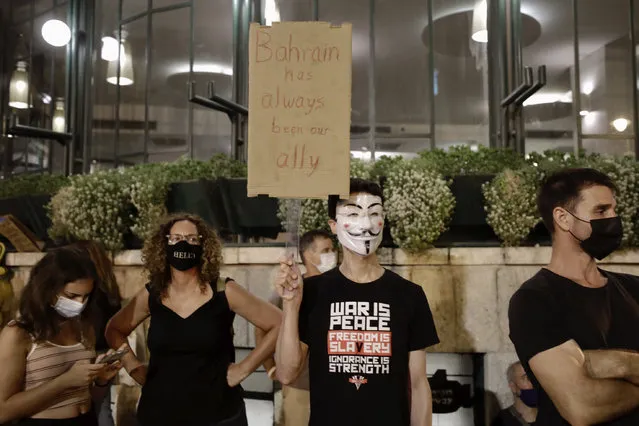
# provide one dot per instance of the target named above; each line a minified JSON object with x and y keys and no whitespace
{"x":359,"y":338}
{"x":549,"y":310}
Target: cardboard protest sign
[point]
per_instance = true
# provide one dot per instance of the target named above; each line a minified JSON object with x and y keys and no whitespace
{"x":299,"y":110}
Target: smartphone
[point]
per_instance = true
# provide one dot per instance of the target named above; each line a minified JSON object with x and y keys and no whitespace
{"x":115,"y":356}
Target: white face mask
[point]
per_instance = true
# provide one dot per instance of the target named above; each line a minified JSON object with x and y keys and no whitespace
{"x":69,"y":308}
{"x":328,"y":261}
{"x":360,"y":222}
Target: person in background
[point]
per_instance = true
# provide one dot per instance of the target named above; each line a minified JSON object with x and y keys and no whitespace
{"x":523,"y":412}
{"x":192,"y":378}
{"x":364,"y":328}
{"x":48,"y":368}
{"x":318,"y":256}
{"x":107,"y":303}
{"x":574,"y":325}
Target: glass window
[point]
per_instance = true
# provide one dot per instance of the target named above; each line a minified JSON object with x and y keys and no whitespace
{"x":131,"y":7}
{"x":21,"y":10}
{"x":132,"y":64}
{"x":461,"y":73}
{"x":212,"y":61}
{"x":287,"y":10}
{"x":43,"y":6}
{"x":548,"y":114}
{"x":356,"y":12}
{"x":164,"y":3}
{"x":103,"y":139}
{"x":402,"y":76}
{"x":606,"y":80}
{"x":168,"y":100}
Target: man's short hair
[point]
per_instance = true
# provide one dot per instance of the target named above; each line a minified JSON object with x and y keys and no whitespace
{"x":357,"y":186}
{"x":510,"y":372}
{"x":563,"y":189}
{"x":307,"y":240}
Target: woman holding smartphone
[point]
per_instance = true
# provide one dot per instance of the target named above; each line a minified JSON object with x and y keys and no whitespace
{"x":107,"y":302}
{"x":192,"y":378}
{"x":48,"y":375}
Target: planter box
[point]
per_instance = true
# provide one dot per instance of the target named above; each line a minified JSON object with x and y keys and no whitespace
{"x":31,"y":211}
{"x":468,"y":225}
{"x":249,"y":217}
{"x":202,"y":198}
{"x":224,"y":204}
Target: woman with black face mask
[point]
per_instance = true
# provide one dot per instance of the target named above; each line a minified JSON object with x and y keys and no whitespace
{"x":192,"y":378}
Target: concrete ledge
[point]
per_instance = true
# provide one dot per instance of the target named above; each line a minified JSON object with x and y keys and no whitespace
{"x":467,"y":256}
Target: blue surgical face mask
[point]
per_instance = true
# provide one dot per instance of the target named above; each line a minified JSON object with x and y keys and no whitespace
{"x":529,"y":397}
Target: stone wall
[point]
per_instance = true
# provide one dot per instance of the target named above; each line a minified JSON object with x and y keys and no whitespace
{"x":468,"y":290}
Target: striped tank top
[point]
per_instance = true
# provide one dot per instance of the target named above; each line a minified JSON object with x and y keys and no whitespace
{"x":46,"y":361}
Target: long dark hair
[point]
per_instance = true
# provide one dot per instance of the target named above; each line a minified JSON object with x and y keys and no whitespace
{"x":106,"y":281}
{"x":46,"y":281}
{"x":154,"y":253}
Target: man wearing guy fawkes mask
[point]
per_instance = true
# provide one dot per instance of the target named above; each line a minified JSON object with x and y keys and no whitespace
{"x":363,"y":327}
{"x":574,"y":326}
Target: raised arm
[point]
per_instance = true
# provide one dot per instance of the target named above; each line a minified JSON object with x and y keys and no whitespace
{"x":122,"y":325}
{"x":580,"y":399}
{"x":421,"y":412}
{"x":262,"y":315}
{"x":16,"y":403}
{"x":290,"y":352}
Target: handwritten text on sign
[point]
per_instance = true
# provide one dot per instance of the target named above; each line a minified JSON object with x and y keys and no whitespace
{"x":299,"y":109}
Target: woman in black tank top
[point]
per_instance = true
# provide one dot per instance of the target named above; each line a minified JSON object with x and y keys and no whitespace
{"x":192,"y":378}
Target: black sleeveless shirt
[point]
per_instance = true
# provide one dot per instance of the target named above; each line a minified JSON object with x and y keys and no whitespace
{"x":186,"y":381}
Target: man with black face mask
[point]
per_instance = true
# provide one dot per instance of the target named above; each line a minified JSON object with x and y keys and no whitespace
{"x":523,"y":412}
{"x":574,"y":326}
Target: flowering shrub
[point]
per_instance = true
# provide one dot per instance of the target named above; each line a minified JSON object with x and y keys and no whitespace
{"x":511,"y":196}
{"x":106,"y":205}
{"x":419,"y":205}
{"x":511,"y":204}
{"x":93,"y":207}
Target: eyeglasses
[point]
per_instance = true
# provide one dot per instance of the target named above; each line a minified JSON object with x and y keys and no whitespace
{"x":191,"y":239}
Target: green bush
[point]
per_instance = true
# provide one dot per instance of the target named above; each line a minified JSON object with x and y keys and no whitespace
{"x":93,"y":207}
{"x":462,"y":160}
{"x":511,"y":208}
{"x":106,"y":205}
{"x":32,"y":185}
{"x":419,"y":205}
{"x":511,"y":197}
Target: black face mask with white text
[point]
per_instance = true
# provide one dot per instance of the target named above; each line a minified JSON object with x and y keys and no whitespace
{"x":183,"y":256}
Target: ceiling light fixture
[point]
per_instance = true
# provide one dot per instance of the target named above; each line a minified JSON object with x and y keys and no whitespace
{"x":109,"y":51}
{"x":19,"y":87}
{"x":620,"y":124}
{"x":208,"y":68}
{"x":58,"y":124}
{"x":479,"y":29}
{"x":125,"y":61}
{"x":548,"y":98}
{"x":271,"y":12}
{"x":56,"y":33}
